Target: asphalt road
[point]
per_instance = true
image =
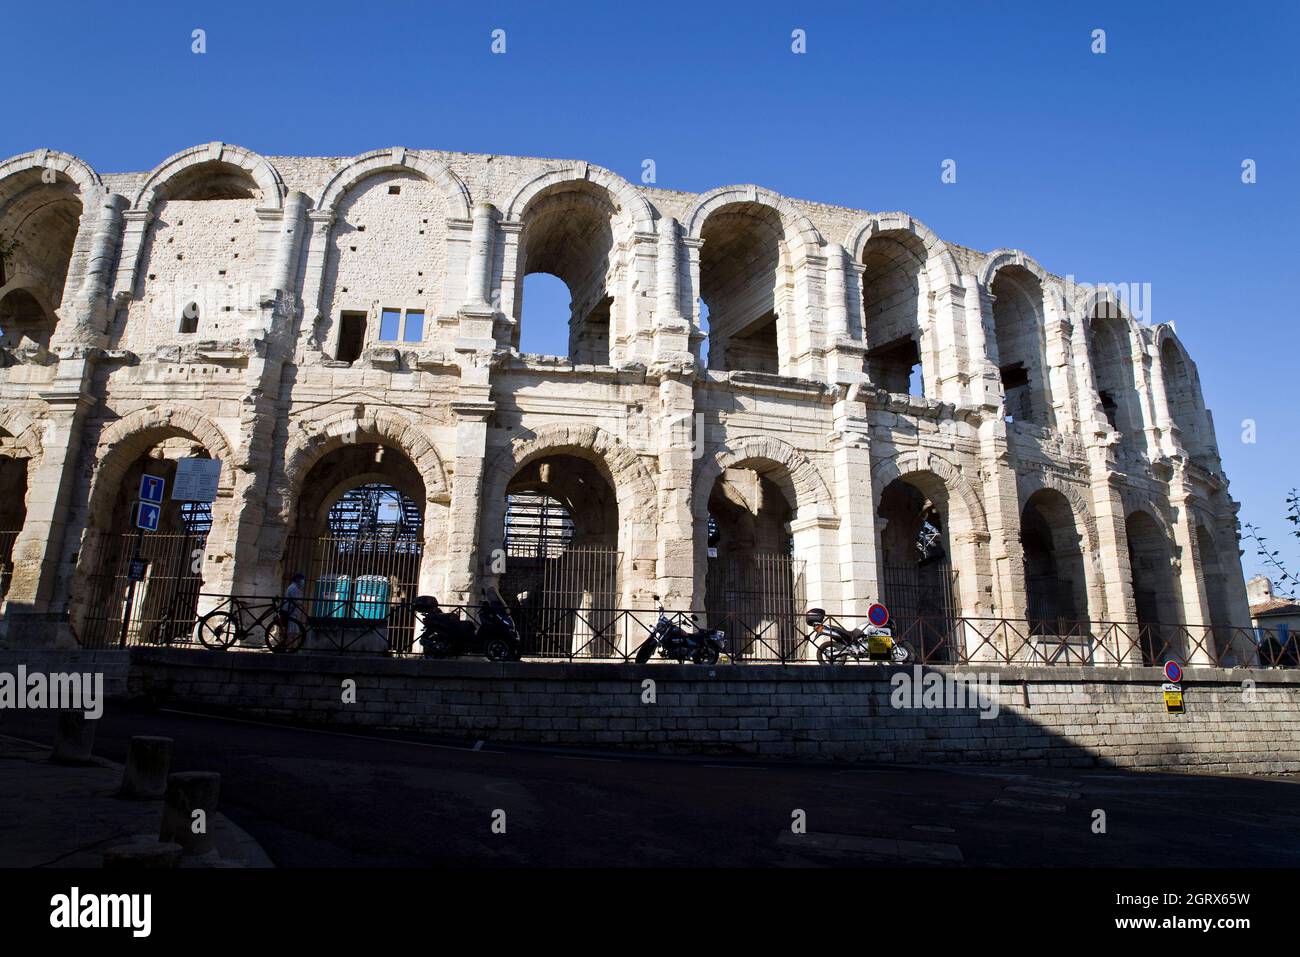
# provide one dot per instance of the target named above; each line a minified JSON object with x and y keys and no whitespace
{"x":324,"y":798}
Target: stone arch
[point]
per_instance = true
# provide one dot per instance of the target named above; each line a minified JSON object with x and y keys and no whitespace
{"x":810,"y":496}
{"x":938,"y":255}
{"x":799,"y":230}
{"x":1000,"y":258}
{"x":627,"y":197}
{"x":633,"y":485}
{"x":632,"y":480}
{"x":22,"y":436}
{"x":75,"y":169}
{"x":396,"y":158}
{"x":922,"y":460}
{"x":316,"y":439}
{"x":127,"y":438}
{"x":263,"y":173}
{"x":1029,"y":483}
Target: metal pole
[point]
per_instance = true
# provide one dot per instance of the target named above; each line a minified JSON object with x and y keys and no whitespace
{"x":130,"y":588}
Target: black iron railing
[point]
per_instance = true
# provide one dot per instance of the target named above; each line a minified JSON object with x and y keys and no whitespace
{"x":369,"y":624}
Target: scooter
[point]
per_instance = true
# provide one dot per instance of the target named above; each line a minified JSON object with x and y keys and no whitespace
{"x":445,"y":634}
{"x":871,"y":642}
{"x":703,"y":647}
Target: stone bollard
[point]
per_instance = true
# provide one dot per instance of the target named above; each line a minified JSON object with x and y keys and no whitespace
{"x":74,"y":738}
{"x":143,"y":856}
{"x":147,"y":762}
{"x":187,"y":792}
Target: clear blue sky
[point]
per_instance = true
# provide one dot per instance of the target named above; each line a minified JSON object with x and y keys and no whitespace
{"x":1122,"y":167}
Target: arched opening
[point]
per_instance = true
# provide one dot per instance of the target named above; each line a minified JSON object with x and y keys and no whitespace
{"x":145,"y":585}
{"x":38,"y":230}
{"x":198,"y":259}
{"x":382,"y":274}
{"x":745,"y":285}
{"x":1021,"y":343}
{"x":569,"y":234}
{"x":894,"y":311}
{"x":23,"y":321}
{"x":1216,"y":591}
{"x":1055,"y":580}
{"x":917,"y":579}
{"x":358,"y":537}
{"x":1110,"y":350}
{"x":1184,"y":401}
{"x":754,"y":584}
{"x":13,"y":513}
{"x":562,"y":557}
{"x":1150,"y":555}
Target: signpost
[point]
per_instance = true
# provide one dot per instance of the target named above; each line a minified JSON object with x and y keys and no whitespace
{"x":148,"y":513}
{"x":1173,"y":691}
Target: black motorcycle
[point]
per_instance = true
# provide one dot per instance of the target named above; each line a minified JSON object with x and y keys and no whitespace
{"x":445,"y":634}
{"x":673,"y":641}
{"x":869,"y":642}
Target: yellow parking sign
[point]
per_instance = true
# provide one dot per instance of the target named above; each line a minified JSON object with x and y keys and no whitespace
{"x":1173,"y":698}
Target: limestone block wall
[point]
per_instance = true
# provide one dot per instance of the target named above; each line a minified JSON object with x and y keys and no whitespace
{"x":1236,"y":721}
{"x":1107,"y":414}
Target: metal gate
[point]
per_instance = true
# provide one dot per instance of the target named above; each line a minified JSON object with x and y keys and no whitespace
{"x":163,"y":603}
{"x":566,"y":604}
{"x":372,"y":576}
{"x":759,"y":601}
{"x":921,"y":601}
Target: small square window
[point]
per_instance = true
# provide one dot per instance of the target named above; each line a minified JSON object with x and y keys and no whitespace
{"x":394,"y":190}
{"x":390,"y":324}
{"x":414,"y":329}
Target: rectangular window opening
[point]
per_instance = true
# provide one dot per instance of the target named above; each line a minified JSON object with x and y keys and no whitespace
{"x":413,"y":331}
{"x":352,"y":336}
{"x":390,"y":325}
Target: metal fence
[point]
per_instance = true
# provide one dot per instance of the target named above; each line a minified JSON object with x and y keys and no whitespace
{"x":363,"y":623}
{"x":157,"y":605}
{"x":7,"y":541}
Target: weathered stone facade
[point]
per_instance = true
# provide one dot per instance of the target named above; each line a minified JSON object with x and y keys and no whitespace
{"x":235,"y":305}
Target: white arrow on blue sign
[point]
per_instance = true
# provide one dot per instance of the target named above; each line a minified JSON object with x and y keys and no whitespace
{"x":151,"y":488}
{"x":146,"y":516}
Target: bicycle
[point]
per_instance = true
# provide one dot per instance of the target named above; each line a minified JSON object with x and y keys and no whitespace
{"x":238,"y":621}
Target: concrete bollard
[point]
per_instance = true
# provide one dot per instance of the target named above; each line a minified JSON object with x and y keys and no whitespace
{"x":147,"y":762}
{"x":74,"y":738}
{"x":155,"y":855}
{"x":187,"y":792}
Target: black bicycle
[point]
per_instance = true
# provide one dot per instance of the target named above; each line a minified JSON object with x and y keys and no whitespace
{"x":238,"y":621}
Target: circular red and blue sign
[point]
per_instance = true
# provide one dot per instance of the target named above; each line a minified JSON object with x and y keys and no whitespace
{"x":878,"y":615}
{"x":1173,"y":672}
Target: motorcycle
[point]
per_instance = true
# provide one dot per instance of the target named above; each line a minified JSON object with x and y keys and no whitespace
{"x":703,"y":647}
{"x":871,"y":642}
{"x":445,"y":634}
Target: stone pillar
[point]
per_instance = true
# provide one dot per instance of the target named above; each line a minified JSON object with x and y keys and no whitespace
{"x":1190,"y":576}
{"x":467,"y":568}
{"x":319,"y":224}
{"x":844,"y":352}
{"x":44,"y":553}
{"x":103,"y":248}
{"x":1118,"y":633}
{"x":1002,"y":510}
{"x":482,"y":240}
{"x":1166,"y":435}
{"x":284,"y":274}
{"x":137,"y":224}
{"x":668,"y":299}
{"x":858,"y":560}
{"x":680,"y":574}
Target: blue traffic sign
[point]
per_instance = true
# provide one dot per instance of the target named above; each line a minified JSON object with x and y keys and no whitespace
{"x":147,"y":515}
{"x":1173,"y":672}
{"x":151,"y":488}
{"x":878,"y":615}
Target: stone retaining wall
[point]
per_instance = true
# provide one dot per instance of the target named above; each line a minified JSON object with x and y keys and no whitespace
{"x":1240,"y":721}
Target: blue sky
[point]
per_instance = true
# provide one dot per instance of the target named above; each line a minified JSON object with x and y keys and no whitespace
{"x":1122,"y":167}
